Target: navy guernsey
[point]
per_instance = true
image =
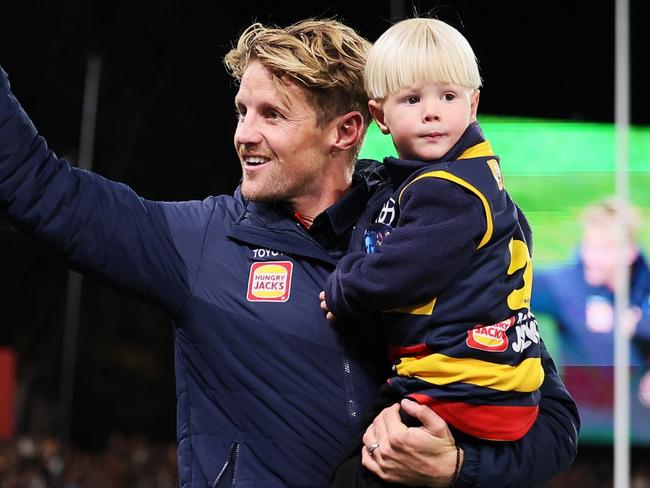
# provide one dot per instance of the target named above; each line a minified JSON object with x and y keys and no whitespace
{"x":452,"y":276}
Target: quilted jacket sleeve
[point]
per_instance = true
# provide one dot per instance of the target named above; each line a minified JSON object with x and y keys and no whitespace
{"x":99,"y":226}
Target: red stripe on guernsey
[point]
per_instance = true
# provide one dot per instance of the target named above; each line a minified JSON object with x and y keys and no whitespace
{"x":417,"y":351}
{"x":490,"y":422}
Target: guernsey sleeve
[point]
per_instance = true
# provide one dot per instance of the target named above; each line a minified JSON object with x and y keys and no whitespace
{"x":438,"y":230}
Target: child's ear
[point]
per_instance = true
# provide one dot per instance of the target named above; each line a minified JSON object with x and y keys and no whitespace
{"x":378,"y":114}
{"x":475,"y":96}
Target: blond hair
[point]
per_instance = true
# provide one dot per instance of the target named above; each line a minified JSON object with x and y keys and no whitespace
{"x":419,"y":50}
{"x":324,"y":55}
{"x":609,"y":212}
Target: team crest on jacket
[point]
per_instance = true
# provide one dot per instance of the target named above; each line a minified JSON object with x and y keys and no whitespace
{"x":269,"y":281}
{"x":491,"y":338}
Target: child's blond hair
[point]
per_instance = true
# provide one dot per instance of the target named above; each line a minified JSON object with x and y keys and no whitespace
{"x":419,"y":50}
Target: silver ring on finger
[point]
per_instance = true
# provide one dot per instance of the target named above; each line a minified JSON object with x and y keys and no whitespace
{"x":371,"y":448}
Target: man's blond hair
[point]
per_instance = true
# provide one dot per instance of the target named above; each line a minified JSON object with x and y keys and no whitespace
{"x":324,"y":55}
{"x":610,"y":212}
{"x":416,"y":51}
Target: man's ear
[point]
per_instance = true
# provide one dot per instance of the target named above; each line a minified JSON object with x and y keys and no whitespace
{"x":475,"y":96}
{"x":378,"y":114}
{"x":349,"y":131}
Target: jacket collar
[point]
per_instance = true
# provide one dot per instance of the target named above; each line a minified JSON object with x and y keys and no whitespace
{"x":272,"y":224}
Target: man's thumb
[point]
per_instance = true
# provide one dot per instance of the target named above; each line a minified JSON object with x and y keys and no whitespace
{"x":431,"y":421}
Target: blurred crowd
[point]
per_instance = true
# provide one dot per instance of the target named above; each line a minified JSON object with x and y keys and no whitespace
{"x":134,"y":462}
{"x":131,"y":462}
{"x":594,"y":468}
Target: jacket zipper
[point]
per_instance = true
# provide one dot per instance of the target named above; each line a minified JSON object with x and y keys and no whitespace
{"x":234,"y":465}
{"x":352,"y":404}
{"x":350,"y":396}
{"x":232,"y":457}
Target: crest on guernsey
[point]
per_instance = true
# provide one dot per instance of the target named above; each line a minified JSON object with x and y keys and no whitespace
{"x":496,"y":172}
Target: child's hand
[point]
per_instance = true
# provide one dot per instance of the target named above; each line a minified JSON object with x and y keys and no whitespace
{"x":323,"y":307}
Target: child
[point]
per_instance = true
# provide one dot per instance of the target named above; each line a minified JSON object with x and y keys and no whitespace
{"x":446,"y":262}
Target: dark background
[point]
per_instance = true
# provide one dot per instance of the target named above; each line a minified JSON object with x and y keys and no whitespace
{"x":165,"y":125}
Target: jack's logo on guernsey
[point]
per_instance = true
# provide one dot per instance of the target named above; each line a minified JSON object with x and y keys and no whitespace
{"x":270,"y":281}
{"x":491,"y":338}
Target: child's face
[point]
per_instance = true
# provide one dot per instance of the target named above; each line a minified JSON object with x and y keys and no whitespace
{"x":426,"y":120}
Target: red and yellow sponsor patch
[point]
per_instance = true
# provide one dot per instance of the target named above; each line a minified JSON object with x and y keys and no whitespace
{"x":269,"y":281}
{"x":491,"y":338}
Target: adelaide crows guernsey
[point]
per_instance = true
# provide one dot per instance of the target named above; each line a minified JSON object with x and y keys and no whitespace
{"x":471,"y":352}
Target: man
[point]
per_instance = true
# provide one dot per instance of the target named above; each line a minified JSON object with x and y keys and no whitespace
{"x":579,"y":297}
{"x":268,"y":392}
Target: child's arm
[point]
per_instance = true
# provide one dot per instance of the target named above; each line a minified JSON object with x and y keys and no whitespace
{"x":439,"y":228}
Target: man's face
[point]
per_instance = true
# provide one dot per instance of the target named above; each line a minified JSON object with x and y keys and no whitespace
{"x":600,"y":254}
{"x":281,"y":149}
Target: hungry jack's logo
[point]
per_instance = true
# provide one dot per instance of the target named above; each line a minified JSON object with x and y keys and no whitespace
{"x":269,"y":281}
{"x":491,"y":338}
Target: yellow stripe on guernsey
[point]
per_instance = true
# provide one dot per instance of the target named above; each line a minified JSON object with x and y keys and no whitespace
{"x":439,"y":369}
{"x":480,"y":150}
